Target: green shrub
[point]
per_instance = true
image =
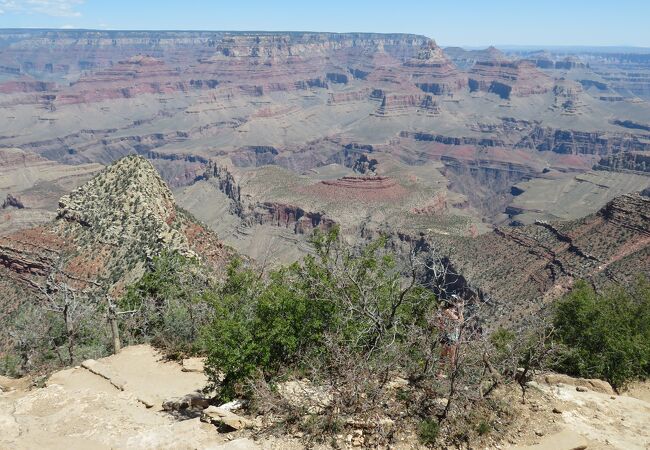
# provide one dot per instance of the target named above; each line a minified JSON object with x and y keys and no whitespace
{"x":605,"y":335}
{"x":10,"y":366}
{"x":260,"y":326}
{"x":338,"y":308}
{"x":483,"y":428}
{"x":428,"y":431}
{"x":168,"y":303}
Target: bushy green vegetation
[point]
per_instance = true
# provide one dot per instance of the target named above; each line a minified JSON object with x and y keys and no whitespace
{"x":167,"y":306}
{"x":428,"y":431}
{"x":356,"y":328}
{"x":605,"y":335}
{"x":302,"y":319}
{"x":59,"y":331}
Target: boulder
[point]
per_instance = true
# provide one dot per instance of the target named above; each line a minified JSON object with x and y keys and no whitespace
{"x":303,"y":394}
{"x":195,"y":401}
{"x":595,"y":385}
{"x":224,"y":418}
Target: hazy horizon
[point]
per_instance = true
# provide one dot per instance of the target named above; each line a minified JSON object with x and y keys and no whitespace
{"x":504,"y":47}
{"x":475,"y":24}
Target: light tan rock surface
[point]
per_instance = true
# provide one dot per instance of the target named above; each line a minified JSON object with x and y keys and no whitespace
{"x":79,"y":409}
{"x":225,"y":417}
{"x":194,"y":365}
{"x":588,"y":419}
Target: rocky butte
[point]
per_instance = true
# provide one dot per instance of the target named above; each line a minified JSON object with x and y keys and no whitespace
{"x":104,"y":234}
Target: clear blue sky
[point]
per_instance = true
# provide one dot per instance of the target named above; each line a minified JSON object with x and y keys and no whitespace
{"x":450,"y":22}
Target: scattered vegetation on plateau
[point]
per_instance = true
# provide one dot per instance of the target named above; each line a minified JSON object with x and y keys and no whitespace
{"x":346,"y":337}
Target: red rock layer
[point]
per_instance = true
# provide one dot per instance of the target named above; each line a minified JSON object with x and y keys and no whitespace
{"x":506,"y":78}
{"x":359,"y":188}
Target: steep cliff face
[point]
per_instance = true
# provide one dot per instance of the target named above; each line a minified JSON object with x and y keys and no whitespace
{"x":582,"y":142}
{"x":290,"y":216}
{"x":453,"y":140}
{"x":226,"y":184}
{"x":506,"y":78}
{"x":485,"y":182}
{"x":116,"y":64}
{"x":355,"y":157}
{"x":404,"y":104}
{"x":521,"y":269}
{"x":626,"y":162}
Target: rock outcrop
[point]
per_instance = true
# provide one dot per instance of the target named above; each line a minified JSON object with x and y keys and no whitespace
{"x":107,"y":230}
{"x":521,"y":269}
{"x":12,"y":202}
{"x":507,"y":78}
{"x":626,"y":162}
{"x":290,"y":216}
{"x":582,"y":142}
{"x":368,"y":188}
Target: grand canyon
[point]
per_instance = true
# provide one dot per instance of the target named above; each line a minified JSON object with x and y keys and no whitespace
{"x":266,"y":136}
{"x":521,"y":171}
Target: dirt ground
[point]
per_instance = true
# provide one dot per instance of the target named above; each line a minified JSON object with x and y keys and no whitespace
{"x":116,"y":403}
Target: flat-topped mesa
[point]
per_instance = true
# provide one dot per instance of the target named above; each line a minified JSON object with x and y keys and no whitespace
{"x":101,"y":49}
{"x":403,"y":104}
{"x":370,"y":182}
{"x":115,"y":65}
{"x":362,"y":189}
{"x":508,"y":78}
{"x":291,"y":216}
{"x":282,"y":46}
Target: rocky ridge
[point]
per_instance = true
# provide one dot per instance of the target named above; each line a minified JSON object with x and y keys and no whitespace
{"x":521,"y":269}
{"x":107,"y":231}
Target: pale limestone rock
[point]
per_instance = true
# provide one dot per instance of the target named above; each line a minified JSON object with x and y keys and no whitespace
{"x":600,"y":386}
{"x":105,"y":372}
{"x":237,"y":444}
{"x":303,"y":394}
{"x":222,"y":416}
{"x":9,"y":428}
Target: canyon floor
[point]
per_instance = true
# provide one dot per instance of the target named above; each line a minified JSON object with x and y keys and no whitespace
{"x":112,"y":404}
